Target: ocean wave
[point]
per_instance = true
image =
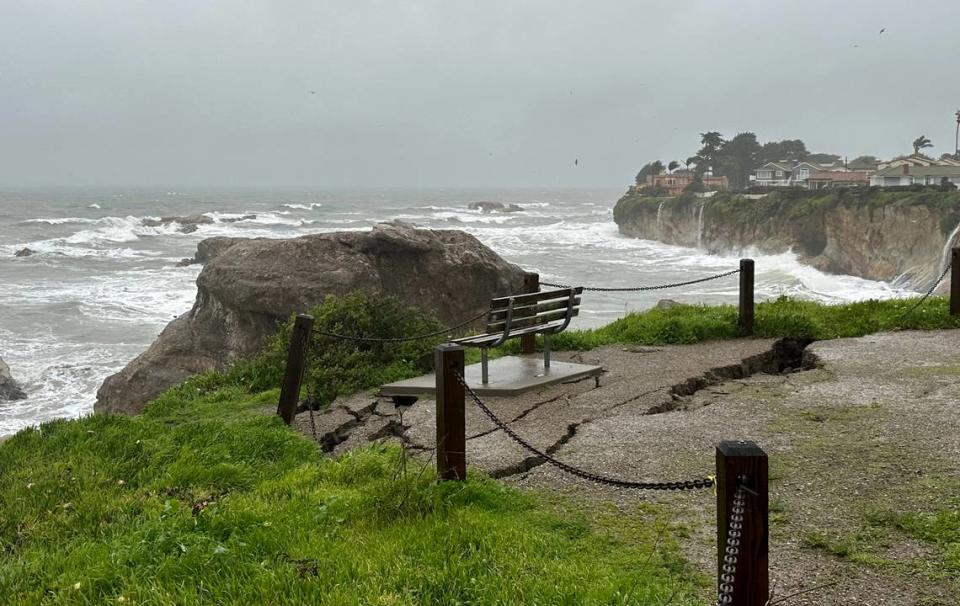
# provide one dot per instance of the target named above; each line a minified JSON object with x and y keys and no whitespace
{"x":311,"y":206}
{"x":62,"y":220}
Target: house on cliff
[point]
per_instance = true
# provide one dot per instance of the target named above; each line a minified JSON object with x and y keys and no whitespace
{"x":674,"y":183}
{"x":809,"y":175}
{"x":910,"y":174}
{"x":918,"y":160}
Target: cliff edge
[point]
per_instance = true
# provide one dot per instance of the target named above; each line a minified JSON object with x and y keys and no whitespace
{"x":894,"y":236}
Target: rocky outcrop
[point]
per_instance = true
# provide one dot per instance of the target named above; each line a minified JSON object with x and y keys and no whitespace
{"x":896,"y":236}
{"x":190,"y":223}
{"x":24,"y":252}
{"x":490,"y":207}
{"x":9,"y":389}
{"x":248,"y":285}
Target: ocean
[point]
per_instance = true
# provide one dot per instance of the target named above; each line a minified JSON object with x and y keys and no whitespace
{"x":101,"y":284}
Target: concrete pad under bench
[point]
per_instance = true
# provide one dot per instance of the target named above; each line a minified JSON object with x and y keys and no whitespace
{"x":509,"y":376}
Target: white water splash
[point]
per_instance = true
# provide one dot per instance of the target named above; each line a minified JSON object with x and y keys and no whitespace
{"x":700,"y":226}
{"x":947,"y":246}
{"x":659,"y":210}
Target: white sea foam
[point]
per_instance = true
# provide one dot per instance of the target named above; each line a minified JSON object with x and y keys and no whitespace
{"x":111,"y":305}
{"x":94,"y":205}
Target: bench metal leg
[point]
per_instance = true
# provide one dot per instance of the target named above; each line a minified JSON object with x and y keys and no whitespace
{"x":546,"y":351}
{"x":484,"y":369}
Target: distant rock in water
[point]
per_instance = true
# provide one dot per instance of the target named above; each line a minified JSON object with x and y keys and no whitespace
{"x":248,"y":285}
{"x":24,"y":252}
{"x":491,"y":207}
{"x":9,"y":389}
{"x":190,"y":223}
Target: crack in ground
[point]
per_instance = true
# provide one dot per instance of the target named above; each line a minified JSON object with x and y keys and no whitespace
{"x":521,"y":415}
{"x":785,"y":356}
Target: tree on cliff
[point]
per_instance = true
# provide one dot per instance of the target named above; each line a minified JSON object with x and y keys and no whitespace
{"x":706,"y":159}
{"x":791,"y":150}
{"x":649,"y":169}
{"x":738,"y":158}
{"x":863,"y":162}
{"x":921,"y":142}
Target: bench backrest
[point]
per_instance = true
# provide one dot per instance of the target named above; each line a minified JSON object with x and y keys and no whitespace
{"x":549,"y":309}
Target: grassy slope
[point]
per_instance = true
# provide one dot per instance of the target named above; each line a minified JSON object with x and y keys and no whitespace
{"x":205,"y":498}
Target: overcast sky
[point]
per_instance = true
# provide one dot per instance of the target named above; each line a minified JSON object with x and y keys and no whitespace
{"x":447,"y":92}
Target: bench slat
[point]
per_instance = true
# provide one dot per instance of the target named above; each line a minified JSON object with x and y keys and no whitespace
{"x":480,"y":340}
{"x":531,"y":321}
{"x":534,"y":297}
{"x":525,"y":311}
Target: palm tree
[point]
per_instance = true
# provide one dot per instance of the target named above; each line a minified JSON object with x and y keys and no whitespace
{"x":921,"y":142}
{"x":674,"y":165}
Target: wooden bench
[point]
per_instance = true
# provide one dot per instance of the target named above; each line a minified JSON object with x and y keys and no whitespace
{"x":541,"y":313}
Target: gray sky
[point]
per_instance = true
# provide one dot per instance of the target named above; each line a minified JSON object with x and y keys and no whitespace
{"x":447,"y":92}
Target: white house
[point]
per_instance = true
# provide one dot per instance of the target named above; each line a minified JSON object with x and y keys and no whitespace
{"x":784,"y":174}
{"x":906,"y":174}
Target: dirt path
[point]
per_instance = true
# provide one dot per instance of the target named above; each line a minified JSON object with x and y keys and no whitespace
{"x":865,"y":438}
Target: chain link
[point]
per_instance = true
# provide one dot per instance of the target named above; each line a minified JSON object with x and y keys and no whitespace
{"x":928,"y":293}
{"x":586,"y":475}
{"x":645,"y":288}
{"x":438,"y":333}
{"x":731,"y":551}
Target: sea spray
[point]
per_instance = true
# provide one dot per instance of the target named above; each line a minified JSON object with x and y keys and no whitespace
{"x":947,"y":246}
{"x":700,"y":226}
{"x":659,"y":210}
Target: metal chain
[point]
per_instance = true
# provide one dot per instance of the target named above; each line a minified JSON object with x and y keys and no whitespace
{"x":731,"y":551}
{"x":586,"y":475}
{"x":645,"y":288}
{"x":928,"y":293}
{"x":437,"y":333}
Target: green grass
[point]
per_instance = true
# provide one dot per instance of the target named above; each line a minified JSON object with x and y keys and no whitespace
{"x":242,"y":510}
{"x":779,"y":318}
{"x":207,"y":498}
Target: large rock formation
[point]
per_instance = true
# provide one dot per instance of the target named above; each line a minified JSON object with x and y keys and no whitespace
{"x":9,"y":389}
{"x":895,"y":236}
{"x":248,"y":285}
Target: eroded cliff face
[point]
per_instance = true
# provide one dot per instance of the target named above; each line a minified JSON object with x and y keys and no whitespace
{"x":900,"y":237}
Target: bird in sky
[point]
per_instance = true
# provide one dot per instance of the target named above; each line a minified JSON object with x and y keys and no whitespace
{"x":883,"y":29}
{"x":313,"y":92}
{"x":576,"y":161}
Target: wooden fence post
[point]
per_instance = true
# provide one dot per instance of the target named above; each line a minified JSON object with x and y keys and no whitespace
{"x":296,"y":364}
{"x":531,"y":284}
{"x":746,"y":296}
{"x":744,"y":462}
{"x":451,"y":423}
{"x":955,"y":282}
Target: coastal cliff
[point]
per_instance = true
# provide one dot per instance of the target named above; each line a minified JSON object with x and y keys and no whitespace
{"x":895,"y":236}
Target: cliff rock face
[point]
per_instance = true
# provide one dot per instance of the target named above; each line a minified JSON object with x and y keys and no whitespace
{"x":901,"y":237}
{"x":9,"y":389}
{"x":248,"y":285}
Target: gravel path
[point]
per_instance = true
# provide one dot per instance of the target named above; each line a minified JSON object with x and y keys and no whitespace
{"x":868,"y":434}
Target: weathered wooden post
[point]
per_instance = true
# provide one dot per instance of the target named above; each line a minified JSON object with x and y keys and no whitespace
{"x":451,"y":423}
{"x":746,"y":296}
{"x":531,"y":284}
{"x":296,"y":365}
{"x":955,"y":282}
{"x":743,"y":463}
